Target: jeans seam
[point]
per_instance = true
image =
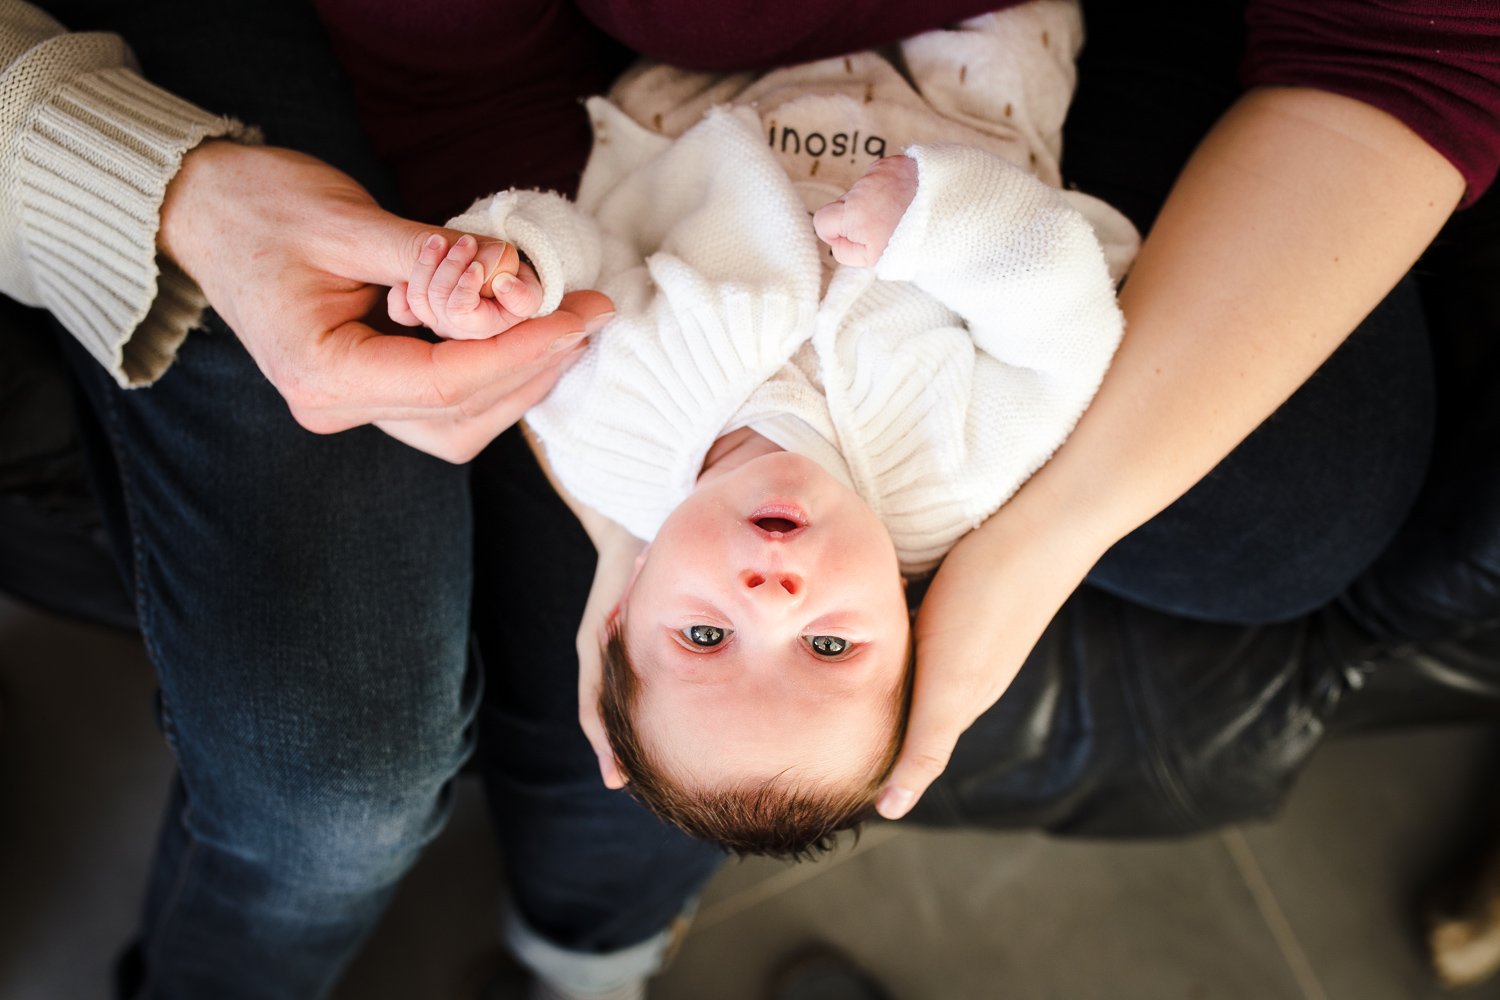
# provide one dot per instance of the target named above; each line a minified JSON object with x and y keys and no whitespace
{"x":132,"y":520}
{"x":169,"y":907}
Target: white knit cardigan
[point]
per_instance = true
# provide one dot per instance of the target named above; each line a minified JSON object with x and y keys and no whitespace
{"x":933,"y":384}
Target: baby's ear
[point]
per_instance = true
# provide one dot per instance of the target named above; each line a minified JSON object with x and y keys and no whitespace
{"x":635,"y":572}
{"x":609,"y":621}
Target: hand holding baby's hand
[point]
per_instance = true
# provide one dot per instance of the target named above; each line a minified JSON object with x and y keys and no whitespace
{"x":470,"y":291}
{"x":859,"y":225}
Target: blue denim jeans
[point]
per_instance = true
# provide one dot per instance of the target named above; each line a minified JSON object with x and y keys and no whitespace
{"x":306,"y":601}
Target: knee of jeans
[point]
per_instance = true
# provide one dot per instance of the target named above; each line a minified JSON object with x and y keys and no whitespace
{"x":326,"y":830}
{"x":1231,"y":594}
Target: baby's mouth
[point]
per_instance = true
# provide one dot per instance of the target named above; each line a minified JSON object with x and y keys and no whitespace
{"x":779,"y":520}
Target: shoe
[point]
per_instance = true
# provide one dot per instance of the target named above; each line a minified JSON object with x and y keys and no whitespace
{"x":1463,"y":926}
{"x":823,"y":973}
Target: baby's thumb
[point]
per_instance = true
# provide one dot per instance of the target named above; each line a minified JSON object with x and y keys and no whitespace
{"x":398,"y":308}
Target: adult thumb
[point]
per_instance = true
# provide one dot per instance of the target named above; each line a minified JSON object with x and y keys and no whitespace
{"x":923,"y":758}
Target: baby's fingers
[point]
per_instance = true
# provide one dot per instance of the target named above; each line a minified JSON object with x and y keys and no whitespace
{"x":828,"y":222}
{"x":519,"y":294}
{"x":431,"y":255}
{"x":447,"y":275}
{"x":464,"y":299}
{"x":833,"y":223}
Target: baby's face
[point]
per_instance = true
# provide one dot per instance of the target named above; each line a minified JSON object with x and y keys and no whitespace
{"x":768,"y":626}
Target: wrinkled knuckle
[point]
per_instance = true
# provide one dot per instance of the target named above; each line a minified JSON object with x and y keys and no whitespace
{"x":447,"y":396}
{"x":415,"y":243}
{"x":438,"y":401}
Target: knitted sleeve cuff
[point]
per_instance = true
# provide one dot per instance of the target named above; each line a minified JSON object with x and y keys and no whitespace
{"x":1010,"y":256}
{"x":972,"y":213}
{"x":561,"y":243}
{"x":94,"y":162}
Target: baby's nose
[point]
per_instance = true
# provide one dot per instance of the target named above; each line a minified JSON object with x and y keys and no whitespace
{"x":778,"y":584}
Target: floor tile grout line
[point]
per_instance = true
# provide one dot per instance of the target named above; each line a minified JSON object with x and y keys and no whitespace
{"x":1271,"y":912}
{"x":784,"y":881}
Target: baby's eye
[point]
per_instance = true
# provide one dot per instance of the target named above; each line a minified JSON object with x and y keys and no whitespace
{"x":707,"y":636}
{"x":828,"y":645}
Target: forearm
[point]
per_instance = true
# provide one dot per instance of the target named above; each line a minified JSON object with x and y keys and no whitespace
{"x":1293,"y":219}
{"x":87,"y":149}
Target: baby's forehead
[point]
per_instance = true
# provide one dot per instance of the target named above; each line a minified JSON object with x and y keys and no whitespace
{"x":716,"y":732}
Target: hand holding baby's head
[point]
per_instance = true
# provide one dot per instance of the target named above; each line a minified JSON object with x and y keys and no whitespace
{"x":756,"y":678}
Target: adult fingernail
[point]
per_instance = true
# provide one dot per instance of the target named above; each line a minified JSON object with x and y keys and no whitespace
{"x":597,"y":323}
{"x":563,"y":343}
{"x":894,"y":802}
{"x":503,"y":284}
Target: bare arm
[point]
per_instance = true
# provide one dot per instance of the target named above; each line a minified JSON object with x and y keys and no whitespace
{"x":619,"y":553}
{"x":1293,"y":219}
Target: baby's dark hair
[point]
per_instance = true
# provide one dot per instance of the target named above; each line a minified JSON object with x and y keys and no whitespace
{"x":765,"y":816}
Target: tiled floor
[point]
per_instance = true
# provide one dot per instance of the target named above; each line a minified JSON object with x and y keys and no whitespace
{"x":1318,"y":905}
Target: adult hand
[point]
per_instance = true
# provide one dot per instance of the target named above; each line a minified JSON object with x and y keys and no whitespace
{"x":1293,"y":219}
{"x":620,"y":556}
{"x":990,"y":601}
{"x":294,"y":255}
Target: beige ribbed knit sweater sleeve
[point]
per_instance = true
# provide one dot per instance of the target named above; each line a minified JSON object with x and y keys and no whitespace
{"x":87,"y":149}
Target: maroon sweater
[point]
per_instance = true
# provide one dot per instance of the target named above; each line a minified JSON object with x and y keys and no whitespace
{"x":471,"y":95}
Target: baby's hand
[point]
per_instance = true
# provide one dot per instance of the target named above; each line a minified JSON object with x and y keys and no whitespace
{"x":859,"y":225}
{"x":474,"y":290}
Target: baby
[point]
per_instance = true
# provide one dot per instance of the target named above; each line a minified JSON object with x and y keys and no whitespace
{"x":796,"y":427}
